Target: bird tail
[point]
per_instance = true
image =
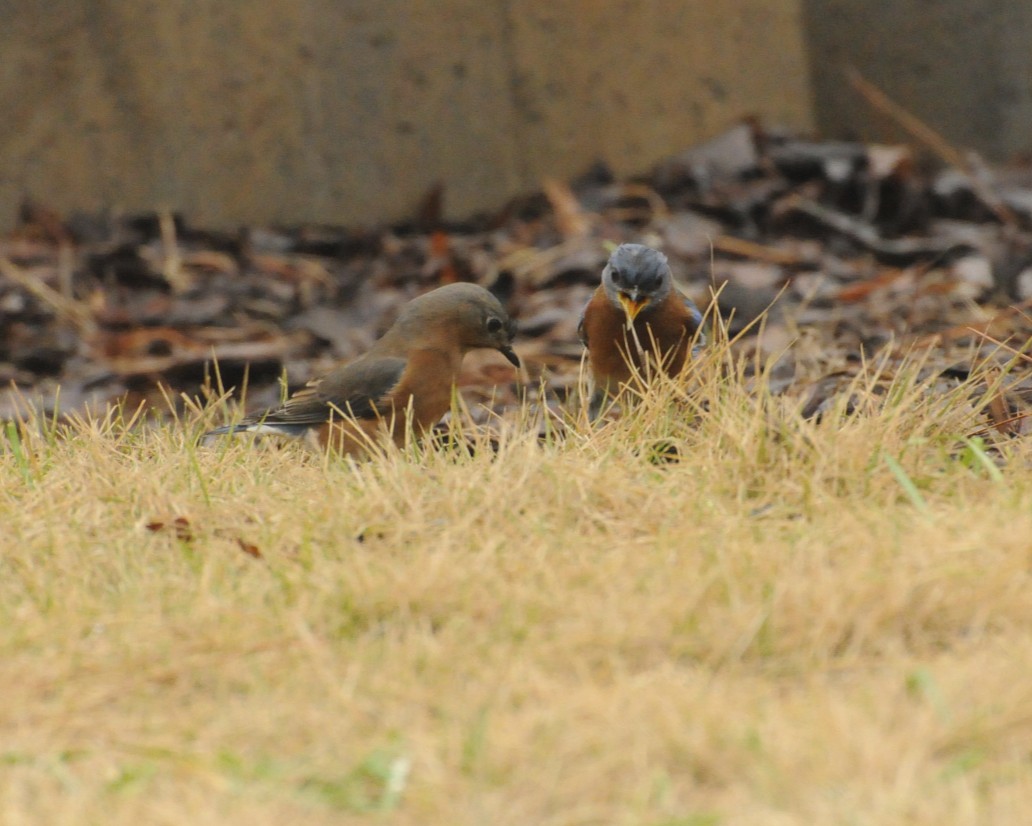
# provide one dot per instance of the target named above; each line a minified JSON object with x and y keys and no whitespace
{"x":278,"y":429}
{"x":226,"y":429}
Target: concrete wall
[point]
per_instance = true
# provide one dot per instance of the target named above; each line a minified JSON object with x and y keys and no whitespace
{"x":963,"y":66}
{"x":347,"y":111}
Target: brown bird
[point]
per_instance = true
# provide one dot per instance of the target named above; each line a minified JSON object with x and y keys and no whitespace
{"x":407,"y":375}
{"x":636,"y":321}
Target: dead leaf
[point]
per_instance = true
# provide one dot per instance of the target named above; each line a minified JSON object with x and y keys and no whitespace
{"x":249,"y":548}
{"x":569,"y":216}
{"x":179,"y":526}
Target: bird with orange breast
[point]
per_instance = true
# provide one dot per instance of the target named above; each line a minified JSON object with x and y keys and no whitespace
{"x":636,"y":322}
{"x":404,"y":383}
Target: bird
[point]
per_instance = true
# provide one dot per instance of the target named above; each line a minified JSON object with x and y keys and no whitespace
{"x":635,"y":322}
{"x":408,"y":375}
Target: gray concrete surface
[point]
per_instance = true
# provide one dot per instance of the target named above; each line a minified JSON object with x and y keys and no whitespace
{"x":239,"y":111}
{"x":963,"y":66}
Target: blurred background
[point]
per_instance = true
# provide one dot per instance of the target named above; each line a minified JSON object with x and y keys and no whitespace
{"x":265,"y":182}
{"x":251,"y":111}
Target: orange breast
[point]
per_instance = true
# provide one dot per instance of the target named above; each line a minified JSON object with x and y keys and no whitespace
{"x":425,"y":389}
{"x":426,"y":386}
{"x":664,"y":333}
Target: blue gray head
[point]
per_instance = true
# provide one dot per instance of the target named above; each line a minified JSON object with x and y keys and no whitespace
{"x":635,"y":277}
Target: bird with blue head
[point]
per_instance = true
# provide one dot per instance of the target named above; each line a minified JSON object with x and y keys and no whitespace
{"x":636,"y":322}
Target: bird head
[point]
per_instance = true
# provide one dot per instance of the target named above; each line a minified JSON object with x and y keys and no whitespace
{"x":500,"y":330}
{"x":636,"y":277}
{"x":463,"y":315}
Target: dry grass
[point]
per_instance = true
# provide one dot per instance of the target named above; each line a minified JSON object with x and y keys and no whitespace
{"x":796,"y":623}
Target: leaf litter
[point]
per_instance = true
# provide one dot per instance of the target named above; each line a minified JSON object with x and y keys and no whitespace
{"x":846,"y":252}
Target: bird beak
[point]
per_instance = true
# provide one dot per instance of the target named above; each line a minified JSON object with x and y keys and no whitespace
{"x":510,"y":354}
{"x":631,"y":307}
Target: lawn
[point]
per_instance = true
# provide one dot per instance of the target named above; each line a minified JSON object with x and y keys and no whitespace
{"x":708,"y":611}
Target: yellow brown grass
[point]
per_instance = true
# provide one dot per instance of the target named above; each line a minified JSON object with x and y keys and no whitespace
{"x":707,"y":611}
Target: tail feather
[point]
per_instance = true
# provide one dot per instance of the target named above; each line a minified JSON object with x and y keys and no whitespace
{"x":292,"y":430}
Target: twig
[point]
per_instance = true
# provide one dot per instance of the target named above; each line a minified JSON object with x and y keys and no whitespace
{"x":865,"y":234}
{"x":997,"y":425}
{"x":172,"y":268}
{"x":527,"y":262}
{"x":962,"y":330}
{"x":758,"y":252}
{"x":1002,"y":345}
{"x":66,"y":269}
{"x":75,"y":312}
{"x":658,"y":209}
{"x":569,"y":215}
{"x":922,"y":132}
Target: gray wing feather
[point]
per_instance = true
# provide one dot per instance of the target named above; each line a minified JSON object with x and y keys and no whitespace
{"x":356,"y":389}
{"x":696,"y":325}
{"x":693,"y":310}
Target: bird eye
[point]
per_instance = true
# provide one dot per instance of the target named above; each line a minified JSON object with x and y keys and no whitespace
{"x":494,"y":325}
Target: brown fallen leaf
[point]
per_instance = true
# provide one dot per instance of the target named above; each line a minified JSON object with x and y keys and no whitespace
{"x":210,"y":261}
{"x":177,"y":525}
{"x":861,"y":290}
{"x":759,"y":252}
{"x":440,"y":257}
{"x":249,"y":548}
{"x":570,"y":218}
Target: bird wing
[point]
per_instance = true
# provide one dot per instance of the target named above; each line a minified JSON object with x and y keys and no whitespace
{"x":582,"y":333}
{"x":693,"y":325}
{"x":582,"y":327}
{"x":696,"y":316}
{"x":358,"y":389}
